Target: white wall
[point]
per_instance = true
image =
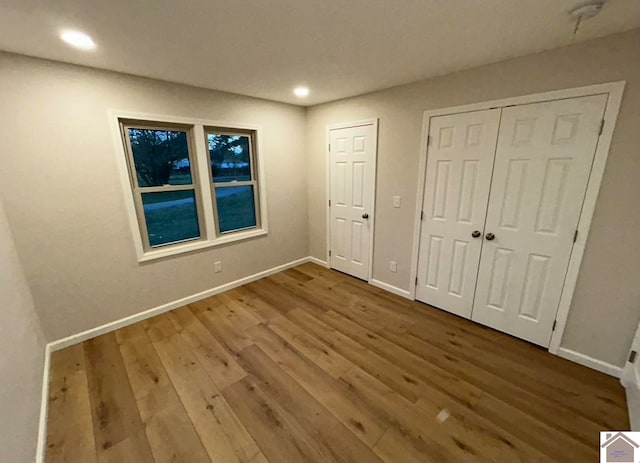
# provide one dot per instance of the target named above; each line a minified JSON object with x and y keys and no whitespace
{"x":64,"y":200}
{"x":606,"y":305}
{"x":22,"y":359}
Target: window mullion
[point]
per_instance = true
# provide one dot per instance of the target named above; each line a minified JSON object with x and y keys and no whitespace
{"x":204,"y":177}
{"x":235,"y":183}
{"x":166,"y":188}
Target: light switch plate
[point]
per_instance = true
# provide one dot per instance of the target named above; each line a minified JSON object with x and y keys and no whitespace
{"x":393,"y":266}
{"x":217,"y":267}
{"x":396,"y":201}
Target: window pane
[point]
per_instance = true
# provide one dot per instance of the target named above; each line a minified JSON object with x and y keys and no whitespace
{"x":171,"y":216}
{"x":230,"y":157}
{"x":161,"y":157}
{"x":236,"y":208}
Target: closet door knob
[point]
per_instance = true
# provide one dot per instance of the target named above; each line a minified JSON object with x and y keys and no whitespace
{"x":475,"y":233}
{"x":489,"y":236}
{"x":365,"y":216}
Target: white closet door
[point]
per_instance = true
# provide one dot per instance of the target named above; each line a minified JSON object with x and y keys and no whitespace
{"x":542,"y":166}
{"x":353,"y":157}
{"x":459,"y":163}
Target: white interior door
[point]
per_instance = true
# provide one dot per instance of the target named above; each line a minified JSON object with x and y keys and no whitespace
{"x":542,"y":166}
{"x":352,"y":165}
{"x":459,"y":164}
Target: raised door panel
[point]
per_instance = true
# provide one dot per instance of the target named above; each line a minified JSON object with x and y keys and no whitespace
{"x":458,"y":266}
{"x":357,"y":184}
{"x":516,"y":180}
{"x":441,"y":195}
{"x":542,"y":165}
{"x":339,"y":241}
{"x":434,"y":259}
{"x":459,"y":163}
{"x":535,"y":281}
{"x":552,"y":195}
{"x":499,"y":278}
{"x":357,"y":240}
{"x":468,"y":191}
{"x":340,"y":186}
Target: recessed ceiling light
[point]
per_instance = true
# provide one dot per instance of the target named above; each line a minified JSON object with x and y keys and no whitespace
{"x":78,"y":39}
{"x":301,"y":91}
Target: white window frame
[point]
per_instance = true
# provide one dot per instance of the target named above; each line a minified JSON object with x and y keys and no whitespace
{"x":202,"y":182}
{"x":251,"y":134}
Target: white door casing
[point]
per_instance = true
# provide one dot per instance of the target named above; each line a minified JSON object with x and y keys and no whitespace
{"x":541,"y":170}
{"x":352,"y":179}
{"x":459,"y":164}
{"x":630,"y":379}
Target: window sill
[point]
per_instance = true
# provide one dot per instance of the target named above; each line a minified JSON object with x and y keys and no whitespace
{"x":200,"y":244}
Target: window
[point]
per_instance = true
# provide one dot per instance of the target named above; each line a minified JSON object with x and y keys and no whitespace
{"x":234,"y":179}
{"x":164,"y":188}
{"x":180,"y":207}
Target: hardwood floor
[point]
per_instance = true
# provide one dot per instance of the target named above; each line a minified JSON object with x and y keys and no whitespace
{"x":312,"y":365}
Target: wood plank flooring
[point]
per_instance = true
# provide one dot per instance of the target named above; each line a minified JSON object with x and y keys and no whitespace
{"x":313,"y":365}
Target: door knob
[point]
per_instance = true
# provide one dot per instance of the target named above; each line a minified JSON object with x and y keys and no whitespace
{"x":475,"y":233}
{"x":365,"y":216}
{"x":489,"y":236}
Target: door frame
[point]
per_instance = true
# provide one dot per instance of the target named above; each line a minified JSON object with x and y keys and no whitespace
{"x":614,"y":91}
{"x":372,"y":220}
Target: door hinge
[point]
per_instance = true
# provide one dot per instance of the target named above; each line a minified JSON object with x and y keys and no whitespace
{"x":329,"y":203}
{"x":632,"y":356}
{"x":416,"y":281}
{"x":555,"y":322}
{"x":601,"y":127}
{"x":575,"y":236}
{"x":329,"y":147}
{"x":421,"y":215}
{"x":429,"y":140}
{"x":329,"y":253}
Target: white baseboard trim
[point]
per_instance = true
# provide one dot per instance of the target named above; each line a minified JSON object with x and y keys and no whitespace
{"x":116,"y":324}
{"x":392,"y":289}
{"x":317,"y":261}
{"x":590,"y":362}
{"x":633,"y":406}
{"x":44,"y":402}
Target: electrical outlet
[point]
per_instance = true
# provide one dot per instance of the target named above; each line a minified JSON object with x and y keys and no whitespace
{"x":217,"y":267}
{"x":396,"y":201}
{"x":393,"y":266}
